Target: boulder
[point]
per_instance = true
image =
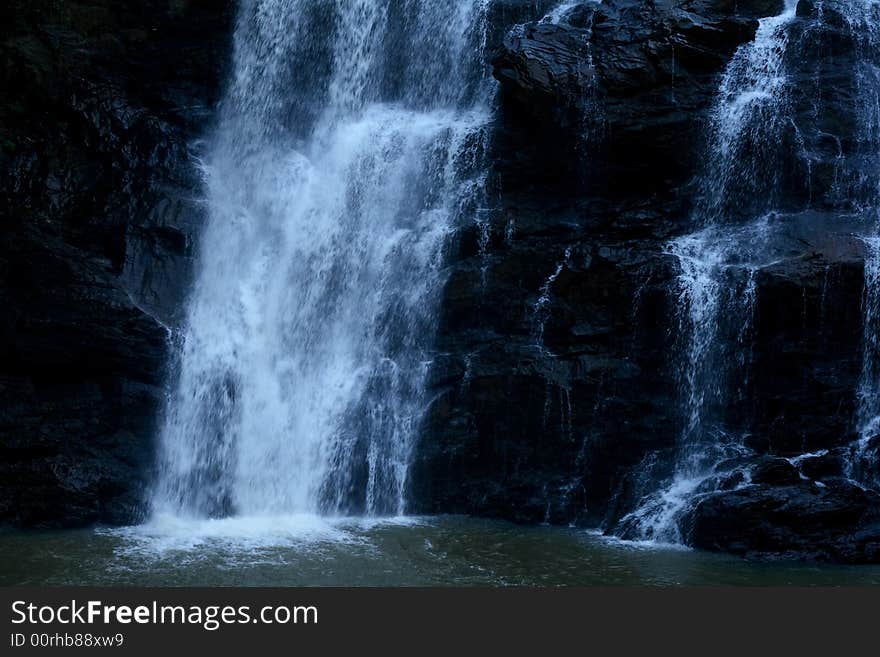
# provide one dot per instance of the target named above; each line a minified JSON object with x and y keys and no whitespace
{"x":837,"y":522}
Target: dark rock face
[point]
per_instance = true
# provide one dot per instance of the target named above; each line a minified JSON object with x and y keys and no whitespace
{"x":837,"y":521}
{"x":556,"y":395}
{"x":100,"y":104}
{"x":557,"y":382}
{"x":640,"y":75}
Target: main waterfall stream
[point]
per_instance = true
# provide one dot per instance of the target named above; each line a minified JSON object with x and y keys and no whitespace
{"x":347,"y":150}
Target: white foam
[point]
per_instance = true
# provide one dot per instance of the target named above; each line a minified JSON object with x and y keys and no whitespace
{"x":169,"y":533}
{"x":321,"y":264}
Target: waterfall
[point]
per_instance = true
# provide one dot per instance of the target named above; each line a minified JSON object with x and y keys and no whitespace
{"x":863,"y":19}
{"x":348,"y":148}
{"x":869,"y":391}
{"x":749,"y":123}
{"x":716,"y":287}
{"x":755,"y":144}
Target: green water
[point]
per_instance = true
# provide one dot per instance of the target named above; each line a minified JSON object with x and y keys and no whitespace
{"x":438,"y":551}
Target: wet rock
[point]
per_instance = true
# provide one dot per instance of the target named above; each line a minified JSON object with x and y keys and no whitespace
{"x":549,"y":62}
{"x":775,"y":472}
{"x":561,"y":318}
{"x":823,"y":466}
{"x":757,"y":444}
{"x":634,"y":76}
{"x":836,"y":522}
{"x":100,"y":105}
{"x":554,"y":391}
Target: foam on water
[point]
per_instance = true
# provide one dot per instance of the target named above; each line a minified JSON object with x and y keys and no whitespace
{"x":248,"y":539}
{"x":166,"y":533}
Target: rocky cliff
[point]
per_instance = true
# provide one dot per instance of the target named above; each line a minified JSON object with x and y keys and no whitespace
{"x":100,"y":107}
{"x":556,"y":398}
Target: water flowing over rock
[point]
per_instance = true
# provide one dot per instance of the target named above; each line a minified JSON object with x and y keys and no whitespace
{"x":716,"y":286}
{"x":755,"y":145}
{"x":320,"y":268}
{"x":714,"y":192}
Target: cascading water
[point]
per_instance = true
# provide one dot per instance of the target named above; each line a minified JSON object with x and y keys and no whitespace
{"x":869,"y":391}
{"x":541,"y":308}
{"x":718,"y":265}
{"x":750,"y":121}
{"x":863,"y":460}
{"x":563,"y":8}
{"x":755,"y":142}
{"x":348,"y":148}
{"x":863,"y":19}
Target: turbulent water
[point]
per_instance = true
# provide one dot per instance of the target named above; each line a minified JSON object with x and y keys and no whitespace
{"x":348,"y":149}
{"x":414,"y":552}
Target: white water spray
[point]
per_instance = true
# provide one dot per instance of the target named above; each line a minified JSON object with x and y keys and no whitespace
{"x":346,"y":153}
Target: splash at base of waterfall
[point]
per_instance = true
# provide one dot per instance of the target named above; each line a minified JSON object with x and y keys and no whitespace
{"x":166,"y":533}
